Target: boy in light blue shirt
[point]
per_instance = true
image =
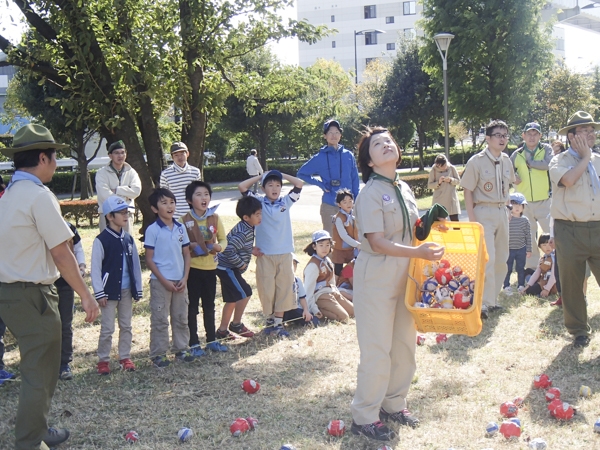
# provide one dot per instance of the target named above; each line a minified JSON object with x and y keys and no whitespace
{"x":275,"y":244}
{"x":168,"y":258}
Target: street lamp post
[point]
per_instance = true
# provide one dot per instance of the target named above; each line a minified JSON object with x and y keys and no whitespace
{"x":360,"y":33}
{"x":442,"y":40}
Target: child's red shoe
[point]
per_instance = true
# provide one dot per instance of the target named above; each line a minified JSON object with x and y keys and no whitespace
{"x":103,"y":368}
{"x":558,"y":302}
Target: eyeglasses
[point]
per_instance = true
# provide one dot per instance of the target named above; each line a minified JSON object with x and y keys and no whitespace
{"x":587,"y":133}
{"x":123,"y":212}
{"x":500,"y":136}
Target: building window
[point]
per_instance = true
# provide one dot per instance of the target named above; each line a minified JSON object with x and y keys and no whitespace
{"x":389,"y":19}
{"x":370,"y":12}
{"x":560,"y":45}
{"x":370,"y":38}
{"x":332,"y":44}
{"x":409,"y":33}
{"x":3,"y":81}
{"x":410,"y":8}
{"x":369,"y":61}
{"x":333,"y":18}
{"x":391,"y":46}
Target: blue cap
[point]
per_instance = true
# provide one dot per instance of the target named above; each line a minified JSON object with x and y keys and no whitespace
{"x":320,"y":235}
{"x":518,"y":198}
{"x":113,"y":204}
{"x":329,"y":123}
{"x":272,"y":174}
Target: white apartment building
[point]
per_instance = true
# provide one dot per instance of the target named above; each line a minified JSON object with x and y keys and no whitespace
{"x":368,"y":29}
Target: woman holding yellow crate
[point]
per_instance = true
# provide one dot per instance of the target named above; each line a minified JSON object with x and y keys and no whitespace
{"x":386,"y":212}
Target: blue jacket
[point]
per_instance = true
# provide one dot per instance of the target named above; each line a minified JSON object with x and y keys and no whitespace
{"x":328,"y":164}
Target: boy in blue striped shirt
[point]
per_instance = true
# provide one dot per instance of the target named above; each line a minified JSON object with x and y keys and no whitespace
{"x":519,"y":242}
{"x":232,"y":263}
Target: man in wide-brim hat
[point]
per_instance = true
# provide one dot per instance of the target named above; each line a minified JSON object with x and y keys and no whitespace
{"x":576,"y":212}
{"x":34,"y":240}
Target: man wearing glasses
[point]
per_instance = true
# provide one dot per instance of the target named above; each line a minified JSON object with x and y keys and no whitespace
{"x":118,"y":178}
{"x":486,"y":181}
{"x":530,"y":163}
{"x":576,"y":211}
{"x":332,"y":169}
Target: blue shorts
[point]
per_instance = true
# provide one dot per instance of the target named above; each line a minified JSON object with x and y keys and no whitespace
{"x":233,"y":285}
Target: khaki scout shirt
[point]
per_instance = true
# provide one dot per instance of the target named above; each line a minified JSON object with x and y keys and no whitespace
{"x":480,"y":178}
{"x":576,"y":203}
{"x":377,"y":211}
{"x":32,"y":224}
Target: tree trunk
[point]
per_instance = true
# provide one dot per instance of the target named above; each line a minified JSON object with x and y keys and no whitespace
{"x":421,"y":134}
{"x":82,"y":164}
{"x":149,"y":130}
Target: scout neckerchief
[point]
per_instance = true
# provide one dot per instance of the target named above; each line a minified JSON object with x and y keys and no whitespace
{"x":21,"y":175}
{"x":118,"y":172}
{"x":396,"y":183}
{"x":209,"y":212}
{"x":498,"y":168}
{"x":591,"y":170}
{"x":324,"y":262}
{"x":348,"y":216}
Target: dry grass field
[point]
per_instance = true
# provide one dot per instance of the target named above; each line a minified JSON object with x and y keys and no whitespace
{"x":310,"y":378}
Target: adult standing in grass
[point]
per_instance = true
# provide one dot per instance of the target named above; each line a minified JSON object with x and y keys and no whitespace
{"x":443,"y":179}
{"x":253,"y":168}
{"x":386,"y":213}
{"x":486,"y":180}
{"x":530,"y":163}
{"x":177,"y":176}
{"x":35,"y":246}
{"x":576,"y":212}
{"x":332,"y":169}
{"x":118,"y":178}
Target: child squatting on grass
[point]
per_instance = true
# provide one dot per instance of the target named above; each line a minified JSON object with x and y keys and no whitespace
{"x":386,"y":212}
{"x":519,"y":241}
{"x":308,"y":312}
{"x":168,"y":258}
{"x":319,"y":280}
{"x":543,"y":280}
{"x":116,"y":279}
{"x":345,"y":231}
{"x":233,"y":262}
{"x":275,"y":244}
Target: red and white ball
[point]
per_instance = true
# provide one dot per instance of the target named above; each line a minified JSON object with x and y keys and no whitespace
{"x":132,"y":437}
{"x":444,"y":264}
{"x":552,"y":394}
{"x":563,"y":411}
{"x":542,"y":381}
{"x":553,"y":404}
{"x":461,"y":300}
{"x":420,"y":339}
{"x":518,"y":401}
{"x":250,"y":386}
{"x":510,"y":430}
{"x":441,"y":338}
{"x":252,"y":422}
{"x":336,"y":428}
{"x":456,"y":271}
{"x":443,"y":275}
{"x":509,"y":409}
{"x":239,"y":426}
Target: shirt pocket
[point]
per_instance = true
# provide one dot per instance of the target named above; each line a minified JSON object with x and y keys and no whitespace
{"x":392,"y":218}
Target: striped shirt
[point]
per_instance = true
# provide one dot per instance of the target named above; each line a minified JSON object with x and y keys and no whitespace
{"x":519,"y":232}
{"x":176,"y":179}
{"x":240,"y":241}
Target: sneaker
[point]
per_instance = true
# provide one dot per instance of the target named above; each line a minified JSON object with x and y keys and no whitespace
{"x":484,"y":312}
{"x":376,"y":430}
{"x":508,"y":289}
{"x":184,"y":357}
{"x":216,"y":346}
{"x":277,"y":331}
{"x":65,"y":373}
{"x":224,"y":335}
{"x":103,"y":368}
{"x":161,"y":361}
{"x":270,"y":322}
{"x":6,"y":375}
{"x":558,"y":302}
{"x":196,"y":351}
{"x":55,"y":436}
{"x":403,"y":417}
{"x":127,"y":365}
{"x":495,"y":308}
{"x":581,"y":341}
{"x":241,"y":330}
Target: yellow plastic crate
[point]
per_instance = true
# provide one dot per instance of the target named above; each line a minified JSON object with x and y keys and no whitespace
{"x":465,"y":247}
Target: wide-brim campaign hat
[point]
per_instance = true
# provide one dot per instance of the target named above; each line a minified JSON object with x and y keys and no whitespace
{"x":579,"y":119}
{"x":32,"y":137}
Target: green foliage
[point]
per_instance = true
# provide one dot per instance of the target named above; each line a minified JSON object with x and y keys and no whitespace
{"x":78,"y":210}
{"x":496,"y":60}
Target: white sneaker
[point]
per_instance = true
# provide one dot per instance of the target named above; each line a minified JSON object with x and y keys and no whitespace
{"x":508,"y":289}
{"x":522,"y":289}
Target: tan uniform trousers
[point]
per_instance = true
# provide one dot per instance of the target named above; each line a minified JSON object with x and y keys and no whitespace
{"x":386,"y":336}
{"x":326,"y":212}
{"x":537,"y":212}
{"x":123,"y":311}
{"x":494,"y":219}
{"x":30,"y":311}
{"x":163,"y":304}
{"x":275,"y":283}
{"x":335,"y":306}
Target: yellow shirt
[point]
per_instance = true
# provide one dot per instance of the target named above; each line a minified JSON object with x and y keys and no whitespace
{"x":32,"y":225}
{"x":209,"y":262}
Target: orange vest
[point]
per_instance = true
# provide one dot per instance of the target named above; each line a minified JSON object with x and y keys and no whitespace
{"x":196,"y":236}
{"x":325,"y":269}
{"x":351,"y":229}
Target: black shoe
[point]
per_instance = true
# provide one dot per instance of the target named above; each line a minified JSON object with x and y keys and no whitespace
{"x":55,"y":436}
{"x":484,"y":312}
{"x":403,"y":417}
{"x":495,"y":308}
{"x":581,"y":341}
{"x":376,"y":430}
